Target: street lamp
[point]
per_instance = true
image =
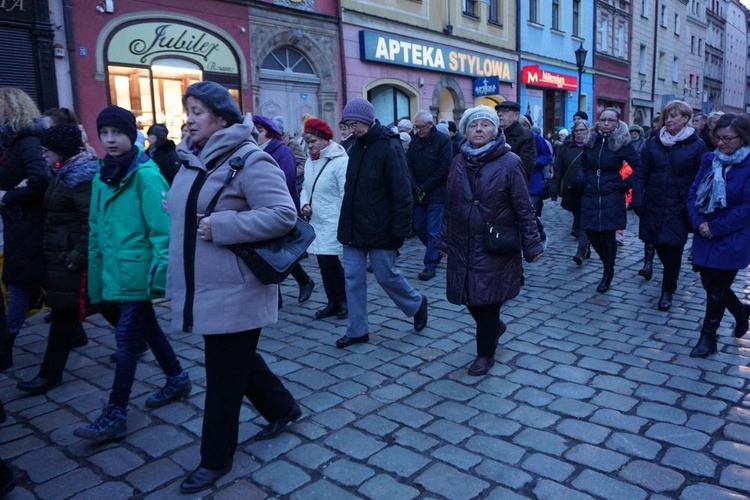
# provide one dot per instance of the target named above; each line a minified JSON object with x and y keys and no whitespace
{"x":581,"y":54}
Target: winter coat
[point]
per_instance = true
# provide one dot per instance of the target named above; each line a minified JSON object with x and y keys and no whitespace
{"x":348,"y":143}
{"x":211,"y":290}
{"x":638,"y":144}
{"x":429,"y":160}
{"x":165,"y":157}
{"x":522,"y":143}
{"x":300,"y":155}
{"x":66,"y":230}
{"x":660,"y":189}
{"x":567,"y":162}
{"x":23,"y":209}
{"x":543,"y":160}
{"x":284,"y":158}
{"x":730,"y":246}
{"x":330,"y":172}
{"x":377,"y":208}
{"x":456,"y":140}
{"x":475,"y":277}
{"x":603,"y":199}
{"x":129,"y":235}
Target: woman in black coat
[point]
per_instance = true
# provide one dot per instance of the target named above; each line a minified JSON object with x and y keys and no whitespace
{"x":23,"y":180}
{"x":669,"y":163}
{"x":162,"y":151}
{"x":603,"y":200}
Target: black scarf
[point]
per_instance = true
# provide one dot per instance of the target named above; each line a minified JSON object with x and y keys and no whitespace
{"x":113,"y":169}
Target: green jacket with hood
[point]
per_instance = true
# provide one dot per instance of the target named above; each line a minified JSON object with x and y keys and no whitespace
{"x":129,"y":238}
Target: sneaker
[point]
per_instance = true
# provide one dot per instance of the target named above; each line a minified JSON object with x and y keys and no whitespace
{"x":177,"y":387}
{"x":111,"y":424}
{"x":427,"y":274}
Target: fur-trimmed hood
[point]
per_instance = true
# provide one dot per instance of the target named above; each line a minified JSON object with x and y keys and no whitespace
{"x":615,"y":141}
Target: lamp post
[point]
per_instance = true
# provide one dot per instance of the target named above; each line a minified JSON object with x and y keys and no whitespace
{"x":581,"y":54}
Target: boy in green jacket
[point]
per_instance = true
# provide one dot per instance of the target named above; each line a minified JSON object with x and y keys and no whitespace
{"x":128,"y":246}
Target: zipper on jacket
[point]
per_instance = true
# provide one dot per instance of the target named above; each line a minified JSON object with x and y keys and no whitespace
{"x":190,"y":238}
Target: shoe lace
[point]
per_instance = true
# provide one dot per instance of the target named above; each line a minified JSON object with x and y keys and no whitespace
{"x":110,"y":415}
{"x":173,"y":384}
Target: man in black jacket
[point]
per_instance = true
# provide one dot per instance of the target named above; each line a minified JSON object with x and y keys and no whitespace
{"x":520,"y":141}
{"x":376,"y":217}
{"x":429,"y":159}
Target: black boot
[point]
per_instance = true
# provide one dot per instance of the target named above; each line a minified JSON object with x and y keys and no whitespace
{"x":648,"y":261}
{"x":7,"y":479}
{"x":706,"y":344}
{"x":606,"y":281}
{"x":6,"y":352}
{"x":714,"y":312}
{"x":583,"y":253}
{"x":665,"y":301}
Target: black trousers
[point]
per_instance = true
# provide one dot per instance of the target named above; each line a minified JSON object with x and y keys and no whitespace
{"x":234,"y":369}
{"x":332,"y":273}
{"x":488,"y":321}
{"x":671,"y":258}
{"x":62,"y":330}
{"x":719,"y":296}
{"x":299,"y":275}
{"x":605,"y":245}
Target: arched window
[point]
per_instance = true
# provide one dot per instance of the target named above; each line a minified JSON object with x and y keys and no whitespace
{"x":390,"y":103}
{"x":288,"y":60}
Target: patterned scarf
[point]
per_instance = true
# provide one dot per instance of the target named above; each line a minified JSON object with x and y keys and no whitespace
{"x":712,"y":191}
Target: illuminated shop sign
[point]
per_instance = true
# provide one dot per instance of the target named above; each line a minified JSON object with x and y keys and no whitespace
{"x":486,"y":86}
{"x":420,"y":54}
{"x":535,"y":75}
{"x":141,"y":43}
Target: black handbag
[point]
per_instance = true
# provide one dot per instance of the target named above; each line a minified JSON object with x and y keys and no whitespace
{"x":272,"y":260}
{"x":497,"y":239}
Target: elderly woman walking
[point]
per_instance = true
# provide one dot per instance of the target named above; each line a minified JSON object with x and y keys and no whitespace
{"x":487,"y":183}
{"x":212,"y":292}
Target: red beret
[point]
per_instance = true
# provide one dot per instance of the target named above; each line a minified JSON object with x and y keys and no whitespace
{"x":319,"y":128}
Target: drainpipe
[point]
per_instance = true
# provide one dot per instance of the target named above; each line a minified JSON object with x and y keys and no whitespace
{"x":653,"y":64}
{"x":342,"y":54}
{"x":518,"y":50}
{"x":70,"y":44}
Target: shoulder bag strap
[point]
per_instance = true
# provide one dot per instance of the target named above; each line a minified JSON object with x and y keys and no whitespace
{"x":316,"y":179}
{"x":235,"y":165}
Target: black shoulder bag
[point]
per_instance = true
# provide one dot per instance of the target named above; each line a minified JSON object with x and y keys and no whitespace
{"x":497,"y":239}
{"x":272,"y":260}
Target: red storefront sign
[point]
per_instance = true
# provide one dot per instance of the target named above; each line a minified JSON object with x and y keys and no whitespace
{"x":535,"y":75}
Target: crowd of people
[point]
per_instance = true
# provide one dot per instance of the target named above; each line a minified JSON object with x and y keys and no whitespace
{"x":97,"y":234}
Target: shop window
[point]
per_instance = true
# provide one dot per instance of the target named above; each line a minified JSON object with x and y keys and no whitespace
{"x":288,"y":60}
{"x":391,"y":104}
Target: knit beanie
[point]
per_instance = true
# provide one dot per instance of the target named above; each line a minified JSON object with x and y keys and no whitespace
{"x":443,"y":128}
{"x":305,"y":117}
{"x":65,"y":140}
{"x":159,"y":130}
{"x":279,"y":121}
{"x":563,"y":132}
{"x":359,"y":110}
{"x":119,"y":118}
{"x":217,"y":98}
{"x":582,"y":115}
{"x":405,"y":125}
{"x":478,"y":113}
{"x":318,"y":128}
{"x":265,"y":122}
{"x":404,"y":136}
{"x":636,"y":128}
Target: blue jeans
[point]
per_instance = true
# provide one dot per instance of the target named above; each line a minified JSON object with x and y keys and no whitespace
{"x":138,"y":323}
{"x":383,"y":264}
{"x":19,"y":297}
{"x":428,"y":220}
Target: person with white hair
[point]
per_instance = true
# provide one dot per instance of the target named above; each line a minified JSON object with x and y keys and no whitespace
{"x":476,"y":278}
{"x":404,"y":125}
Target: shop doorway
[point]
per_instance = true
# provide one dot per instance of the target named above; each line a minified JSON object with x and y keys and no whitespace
{"x":288,"y":88}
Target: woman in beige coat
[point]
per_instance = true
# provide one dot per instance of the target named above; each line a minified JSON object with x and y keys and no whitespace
{"x":213,"y":293}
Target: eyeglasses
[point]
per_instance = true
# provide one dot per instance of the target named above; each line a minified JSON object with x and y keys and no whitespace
{"x":351,"y":124}
{"x":422,"y":127}
{"x":718,"y":139}
{"x":607,"y":120}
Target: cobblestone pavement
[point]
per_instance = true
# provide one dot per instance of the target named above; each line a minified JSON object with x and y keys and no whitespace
{"x":592,"y":396}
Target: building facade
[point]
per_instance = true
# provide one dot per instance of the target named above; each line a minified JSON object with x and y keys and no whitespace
{"x":612,"y":36}
{"x":670,"y":37}
{"x":735,"y":53}
{"x":695,"y":27}
{"x":643,"y":60}
{"x":550,"y":88}
{"x":713,"y":70}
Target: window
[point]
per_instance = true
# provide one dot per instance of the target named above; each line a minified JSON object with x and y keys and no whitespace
{"x":677,"y":24}
{"x":556,"y":15}
{"x":675,"y":69}
{"x":493,"y":14}
{"x":662,"y":68}
{"x":576,"y":17}
{"x":692,"y":44}
{"x":603,"y":40}
{"x":663,"y":18}
{"x":645,"y":8}
{"x":642,"y":60}
{"x":700,"y":46}
{"x":390,"y":103}
{"x":621,"y":44}
{"x":534,"y":11}
{"x":470,"y":7}
{"x":288,"y":60}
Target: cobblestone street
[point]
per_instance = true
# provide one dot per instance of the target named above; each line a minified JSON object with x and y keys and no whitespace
{"x":592,"y":396}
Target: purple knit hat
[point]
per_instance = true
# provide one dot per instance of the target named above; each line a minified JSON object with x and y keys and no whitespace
{"x":272,"y":130}
{"x":359,"y":110}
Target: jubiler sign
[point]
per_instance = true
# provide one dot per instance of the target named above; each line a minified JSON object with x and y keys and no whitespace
{"x":420,"y":54}
{"x":142,"y":43}
{"x":534,"y":75}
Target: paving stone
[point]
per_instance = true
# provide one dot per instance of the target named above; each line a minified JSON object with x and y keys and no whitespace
{"x":545,"y":442}
{"x":534,"y":363}
{"x":390,"y":393}
{"x":116,"y":461}
{"x":614,"y":384}
{"x":705,"y":423}
{"x":688,"y":385}
{"x":348,"y":473}
{"x":617,"y":420}
{"x":405,"y":415}
{"x":375,"y":424}
{"x":736,"y":477}
{"x":534,"y":397}
{"x":456,"y":412}
{"x":154,"y":474}
{"x":702,"y":491}
{"x":631,"y":444}
{"x":322,"y":489}
{"x":449,"y":431}
{"x":572,"y":407}
{"x":548,"y":467}
{"x":457,"y":457}
{"x":240,"y":490}
{"x":658,"y":394}
{"x":652,"y":476}
{"x":446,"y":481}
{"x":321,"y":401}
{"x":604,"y":486}
{"x":705,"y":405}
{"x":689,"y":461}
{"x":570,"y":390}
{"x":614,"y":401}
{"x":416,"y":440}
{"x":71,"y":483}
{"x":735,"y":452}
{"x":354,"y":443}
{"x":550,"y":490}
{"x":495,"y":449}
{"x":663,"y":413}
{"x":449,"y":389}
{"x":736,"y":432}
{"x":583,"y":431}
{"x":423,"y":400}
{"x":280,"y":476}
{"x":348,"y":389}
{"x":596,"y":458}
{"x":498,"y":387}
{"x":501,"y":493}
{"x":598,"y":365}
{"x":156,"y":440}
{"x":492,"y":404}
{"x":533,"y":417}
{"x":399,"y":460}
{"x":106,"y":490}
{"x":43,"y":464}
{"x":494,"y":426}
{"x":382,"y":487}
{"x":274,"y":448}
{"x":335,"y":418}
{"x":310,"y":455}
{"x":526,"y":378}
